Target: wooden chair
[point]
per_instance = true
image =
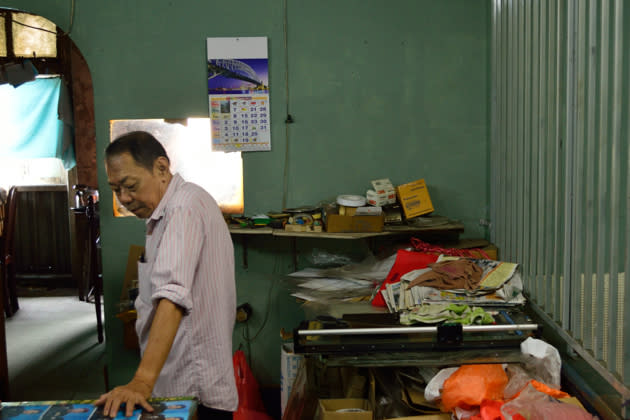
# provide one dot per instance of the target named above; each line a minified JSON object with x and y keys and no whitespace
{"x":7,"y":255}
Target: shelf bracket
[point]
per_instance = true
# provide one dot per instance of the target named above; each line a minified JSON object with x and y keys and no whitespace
{"x":245,"y":243}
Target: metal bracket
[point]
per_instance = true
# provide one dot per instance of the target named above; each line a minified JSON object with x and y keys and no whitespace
{"x":245,"y":243}
{"x":451,"y":334}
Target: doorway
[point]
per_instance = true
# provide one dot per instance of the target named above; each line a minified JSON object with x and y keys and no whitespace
{"x":27,"y":40}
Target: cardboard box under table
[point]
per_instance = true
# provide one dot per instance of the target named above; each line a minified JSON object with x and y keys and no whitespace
{"x":345,"y":409}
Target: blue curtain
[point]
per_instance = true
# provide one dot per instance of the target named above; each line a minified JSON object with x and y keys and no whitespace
{"x":36,"y":121}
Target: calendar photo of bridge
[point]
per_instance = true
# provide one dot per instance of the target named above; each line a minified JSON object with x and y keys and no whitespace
{"x":231,"y":76}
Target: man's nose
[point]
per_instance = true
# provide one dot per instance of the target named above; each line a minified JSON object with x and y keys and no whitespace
{"x":124,"y":198}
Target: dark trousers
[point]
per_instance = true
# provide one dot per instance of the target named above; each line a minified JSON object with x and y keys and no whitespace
{"x":207,"y":413}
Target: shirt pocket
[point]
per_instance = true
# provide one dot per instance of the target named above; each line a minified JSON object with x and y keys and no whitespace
{"x":145,"y":288}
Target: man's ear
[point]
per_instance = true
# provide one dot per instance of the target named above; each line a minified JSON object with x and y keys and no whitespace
{"x":161,"y":165}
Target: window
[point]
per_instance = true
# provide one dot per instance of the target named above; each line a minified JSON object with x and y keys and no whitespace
{"x":188,"y":145}
{"x":33,"y":36}
{"x":27,"y":35}
{"x":3,"y":37}
{"x":30,"y":41}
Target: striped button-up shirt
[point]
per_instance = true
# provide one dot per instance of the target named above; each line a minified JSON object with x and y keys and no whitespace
{"x":189,"y":260}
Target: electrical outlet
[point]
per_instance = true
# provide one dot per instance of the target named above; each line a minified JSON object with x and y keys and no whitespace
{"x":243,"y":312}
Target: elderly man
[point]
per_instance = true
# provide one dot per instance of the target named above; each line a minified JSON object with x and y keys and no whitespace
{"x":187,"y":300}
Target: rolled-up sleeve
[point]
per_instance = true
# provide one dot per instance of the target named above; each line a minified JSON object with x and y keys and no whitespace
{"x":177,"y":258}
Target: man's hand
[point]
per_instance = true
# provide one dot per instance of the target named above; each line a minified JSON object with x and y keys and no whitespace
{"x":134,"y":393}
{"x":166,"y":322}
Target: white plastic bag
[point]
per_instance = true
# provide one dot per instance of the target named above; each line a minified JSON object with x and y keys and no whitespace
{"x":542,"y":361}
{"x":433,"y":391}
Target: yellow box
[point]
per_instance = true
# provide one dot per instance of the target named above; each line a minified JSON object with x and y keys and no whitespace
{"x":414,"y":198}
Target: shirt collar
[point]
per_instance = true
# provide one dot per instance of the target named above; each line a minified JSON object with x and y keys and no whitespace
{"x":159,"y":211}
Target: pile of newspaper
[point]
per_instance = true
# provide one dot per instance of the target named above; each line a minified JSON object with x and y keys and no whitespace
{"x":500,"y":285}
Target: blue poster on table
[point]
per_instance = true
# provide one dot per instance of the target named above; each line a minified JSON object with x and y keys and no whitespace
{"x":163,"y":409}
{"x":23,"y":412}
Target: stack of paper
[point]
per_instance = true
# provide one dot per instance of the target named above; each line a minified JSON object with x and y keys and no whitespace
{"x":349,"y":282}
{"x":500,"y":285}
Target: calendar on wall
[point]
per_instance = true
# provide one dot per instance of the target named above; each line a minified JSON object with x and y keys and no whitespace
{"x":238,"y":94}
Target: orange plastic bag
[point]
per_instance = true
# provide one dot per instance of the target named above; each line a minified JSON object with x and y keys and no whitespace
{"x":556,"y":393}
{"x":470,"y":385}
{"x":250,"y":404}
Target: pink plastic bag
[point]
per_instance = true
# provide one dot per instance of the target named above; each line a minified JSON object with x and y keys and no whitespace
{"x":534,"y":405}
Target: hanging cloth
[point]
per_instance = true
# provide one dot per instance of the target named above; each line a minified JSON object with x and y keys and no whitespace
{"x":30,"y":118}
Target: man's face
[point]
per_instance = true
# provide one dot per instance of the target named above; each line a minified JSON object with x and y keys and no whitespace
{"x":137,"y":188}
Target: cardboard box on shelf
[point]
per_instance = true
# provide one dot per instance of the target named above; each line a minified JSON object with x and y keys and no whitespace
{"x":473,"y":245}
{"x":346,"y":211}
{"x":382,"y":194}
{"x":302,"y":228}
{"x":414,"y":198}
{"x":380,"y":199}
{"x":383,"y":185}
{"x":342,"y":409}
{"x":491,"y":251}
{"x":361,"y":211}
{"x":354,"y":224}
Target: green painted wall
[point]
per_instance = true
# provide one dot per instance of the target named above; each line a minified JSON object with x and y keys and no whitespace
{"x":377,"y":89}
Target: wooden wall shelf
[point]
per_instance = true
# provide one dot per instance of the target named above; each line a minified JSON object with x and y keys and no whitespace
{"x":447,"y":230}
{"x":452,"y":227}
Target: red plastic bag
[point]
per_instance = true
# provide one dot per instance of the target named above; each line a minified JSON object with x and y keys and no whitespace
{"x":246,"y":414}
{"x":405,"y":262}
{"x":489,"y":410}
{"x":250,"y":404}
{"x":453,"y":252}
{"x":470,"y":385}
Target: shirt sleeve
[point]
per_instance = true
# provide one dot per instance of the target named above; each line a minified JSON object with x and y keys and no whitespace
{"x":177,"y":258}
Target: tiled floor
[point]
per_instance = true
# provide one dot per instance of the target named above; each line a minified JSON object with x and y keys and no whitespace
{"x":52,"y":349}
